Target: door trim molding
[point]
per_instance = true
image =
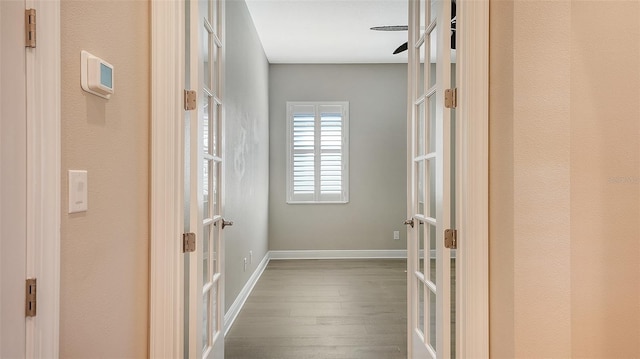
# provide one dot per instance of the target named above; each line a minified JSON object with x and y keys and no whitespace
{"x":473,"y":165}
{"x":167,"y":204}
{"x":43,"y":179}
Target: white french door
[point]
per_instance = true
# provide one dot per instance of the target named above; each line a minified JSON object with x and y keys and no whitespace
{"x":429,"y":173}
{"x":204,"y":267}
{"x":13,"y":180}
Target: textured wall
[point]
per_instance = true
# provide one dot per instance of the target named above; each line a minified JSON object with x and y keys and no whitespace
{"x":605,"y":179}
{"x":501,"y":186}
{"x":377,"y":120}
{"x":247,"y":148}
{"x":565,"y":179}
{"x":104,"y":252}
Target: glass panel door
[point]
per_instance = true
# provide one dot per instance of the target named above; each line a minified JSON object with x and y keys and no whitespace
{"x":204,"y":337}
{"x":429,"y":171}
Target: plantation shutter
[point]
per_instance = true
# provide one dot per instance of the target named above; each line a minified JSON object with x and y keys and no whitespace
{"x":304,"y":152}
{"x":317,"y":168}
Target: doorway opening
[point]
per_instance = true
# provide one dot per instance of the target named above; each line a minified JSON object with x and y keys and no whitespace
{"x":467,"y":167}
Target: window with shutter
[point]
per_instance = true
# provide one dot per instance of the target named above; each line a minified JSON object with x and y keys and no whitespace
{"x":317,"y":149}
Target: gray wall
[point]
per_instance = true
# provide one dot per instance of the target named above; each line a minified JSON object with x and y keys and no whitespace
{"x":377,"y":104}
{"x":247,"y":148}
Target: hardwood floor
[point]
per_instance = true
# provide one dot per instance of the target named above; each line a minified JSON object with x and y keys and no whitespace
{"x":324,"y":309}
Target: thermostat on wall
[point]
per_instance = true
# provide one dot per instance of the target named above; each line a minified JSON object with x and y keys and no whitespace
{"x":96,"y":75}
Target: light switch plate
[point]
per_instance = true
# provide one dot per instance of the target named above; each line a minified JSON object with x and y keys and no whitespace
{"x":77,"y":191}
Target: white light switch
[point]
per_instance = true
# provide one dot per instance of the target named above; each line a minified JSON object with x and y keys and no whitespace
{"x":77,"y":191}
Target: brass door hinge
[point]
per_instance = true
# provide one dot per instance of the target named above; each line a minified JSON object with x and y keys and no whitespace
{"x":190,"y":100}
{"x":31,"y":298}
{"x":30,"y":28}
{"x":451,"y":98}
{"x":451,"y":238}
{"x":188,"y":242}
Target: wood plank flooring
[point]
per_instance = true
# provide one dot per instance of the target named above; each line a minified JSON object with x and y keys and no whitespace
{"x":325,"y":309}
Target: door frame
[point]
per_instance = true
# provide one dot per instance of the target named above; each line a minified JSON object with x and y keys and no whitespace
{"x":43,"y":179}
{"x":472,"y":187}
{"x":166,"y":307}
{"x":166,"y":337}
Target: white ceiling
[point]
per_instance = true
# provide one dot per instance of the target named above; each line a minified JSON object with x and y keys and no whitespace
{"x":329,"y":31}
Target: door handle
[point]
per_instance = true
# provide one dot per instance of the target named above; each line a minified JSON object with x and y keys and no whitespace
{"x":226,"y":223}
{"x":409,"y":222}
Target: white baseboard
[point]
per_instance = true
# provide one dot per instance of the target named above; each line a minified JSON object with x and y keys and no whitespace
{"x":339,"y":254}
{"x":231,"y":315}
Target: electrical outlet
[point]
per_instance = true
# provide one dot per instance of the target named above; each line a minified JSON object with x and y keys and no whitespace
{"x":245,"y":264}
{"x":396,"y":235}
{"x":250,"y":257}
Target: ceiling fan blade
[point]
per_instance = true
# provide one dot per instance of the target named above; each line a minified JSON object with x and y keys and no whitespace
{"x":391,"y":28}
{"x":454,"y":21}
{"x":402,"y":48}
{"x":405,"y":46}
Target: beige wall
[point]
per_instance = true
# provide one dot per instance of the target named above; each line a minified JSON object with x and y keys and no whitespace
{"x":605,"y":179}
{"x":104,"y":252}
{"x":565,"y":179}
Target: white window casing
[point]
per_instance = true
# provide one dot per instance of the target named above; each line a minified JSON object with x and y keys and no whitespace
{"x":317,"y":152}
